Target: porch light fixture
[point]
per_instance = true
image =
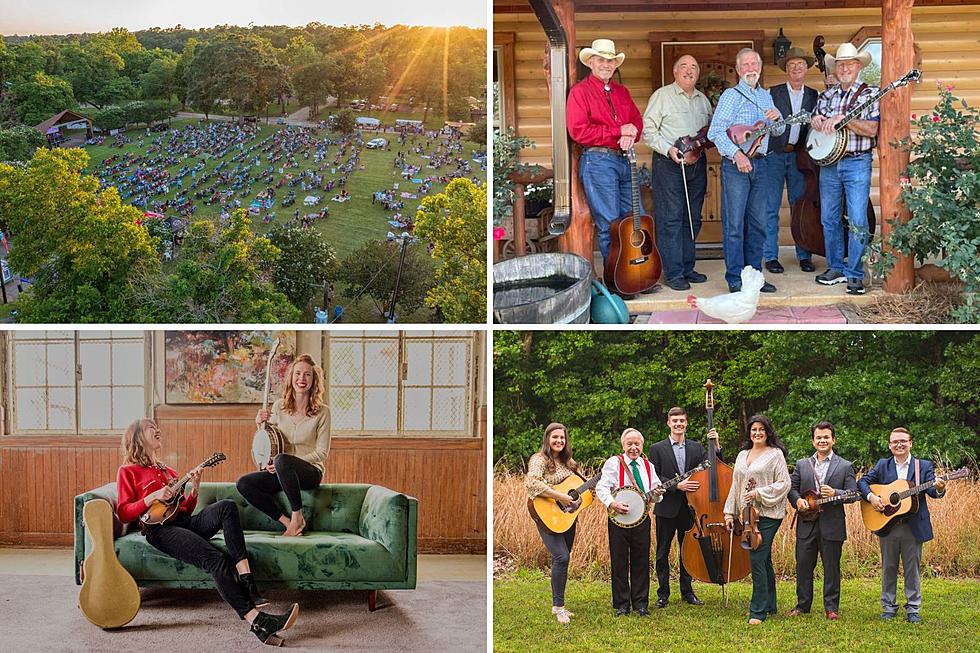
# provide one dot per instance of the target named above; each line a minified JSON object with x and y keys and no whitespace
{"x":780,"y":47}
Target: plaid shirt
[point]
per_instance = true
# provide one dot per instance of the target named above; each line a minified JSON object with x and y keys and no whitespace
{"x":835,"y":100}
{"x":736,"y":108}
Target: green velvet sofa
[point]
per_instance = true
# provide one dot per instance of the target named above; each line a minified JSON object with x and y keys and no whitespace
{"x":358,"y":537}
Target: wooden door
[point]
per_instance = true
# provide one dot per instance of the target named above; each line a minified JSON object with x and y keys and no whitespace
{"x":715,"y":53}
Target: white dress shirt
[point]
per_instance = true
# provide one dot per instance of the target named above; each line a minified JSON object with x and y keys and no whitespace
{"x":610,"y":478}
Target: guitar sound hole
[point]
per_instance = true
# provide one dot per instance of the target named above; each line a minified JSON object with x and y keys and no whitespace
{"x":638,"y":239}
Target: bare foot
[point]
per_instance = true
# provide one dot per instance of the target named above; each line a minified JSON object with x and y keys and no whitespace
{"x":296,"y":526}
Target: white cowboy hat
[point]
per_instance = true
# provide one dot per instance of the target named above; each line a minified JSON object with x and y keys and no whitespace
{"x":603,"y":48}
{"x":847,"y":51}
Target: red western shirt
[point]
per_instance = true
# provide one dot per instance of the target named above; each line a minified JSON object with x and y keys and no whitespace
{"x":134,"y":482}
{"x":591,"y":121}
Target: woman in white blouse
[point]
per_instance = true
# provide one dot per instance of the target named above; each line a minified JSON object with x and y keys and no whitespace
{"x":304,"y":421}
{"x":762,"y":459}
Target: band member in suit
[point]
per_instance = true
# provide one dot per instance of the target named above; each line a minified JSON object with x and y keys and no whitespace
{"x":791,"y":97}
{"x":828,"y":474}
{"x":672,"y":456}
{"x":904,"y":540}
{"x":763,"y":459}
{"x":674,"y":111}
{"x":850,"y":178}
{"x":551,"y":465}
{"x":629,"y":548}
{"x":744,"y":182}
{"x":603,"y":119}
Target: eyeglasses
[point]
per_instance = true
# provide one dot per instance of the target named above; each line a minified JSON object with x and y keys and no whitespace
{"x":899,"y":443}
{"x":796,"y":64}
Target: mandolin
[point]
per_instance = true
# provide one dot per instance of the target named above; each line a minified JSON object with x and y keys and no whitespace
{"x":159,"y":511}
{"x":633,"y":265}
{"x":815,"y":502}
{"x":900,"y":498}
{"x":109,"y":597}
{"x":555,"y":517}
{"x":759,"y":129}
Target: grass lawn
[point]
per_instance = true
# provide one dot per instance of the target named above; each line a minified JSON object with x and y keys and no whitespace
{"x":522,"y":620}
{"x":350,"y":224}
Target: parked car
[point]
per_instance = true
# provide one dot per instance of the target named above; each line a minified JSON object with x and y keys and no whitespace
{"x":251,"y":118}
{"x":280,"y":121}
{"x":376,"y":143}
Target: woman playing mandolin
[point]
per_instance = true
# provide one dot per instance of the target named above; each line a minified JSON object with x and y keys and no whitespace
{"x":762,"y":459}
{"x":144,"y":479}
{"x":305,"y":424}
{"x":548,"y":467}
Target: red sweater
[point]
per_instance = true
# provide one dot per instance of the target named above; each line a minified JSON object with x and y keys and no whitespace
{"x":589,"y":118}
{"x":134,"y":482}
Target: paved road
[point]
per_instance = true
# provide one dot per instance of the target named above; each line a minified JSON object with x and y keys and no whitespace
{"x":291,"y":120}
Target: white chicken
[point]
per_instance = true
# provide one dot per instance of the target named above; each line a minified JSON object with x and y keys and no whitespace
{"x":736,"y":307}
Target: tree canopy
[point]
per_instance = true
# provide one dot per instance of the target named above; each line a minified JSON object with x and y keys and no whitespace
{"x":864,"y":382}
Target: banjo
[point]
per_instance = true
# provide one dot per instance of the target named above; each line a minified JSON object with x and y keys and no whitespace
{"x":827,"y":149}
{"x":268,"y":441}
{"x":639,"y":502}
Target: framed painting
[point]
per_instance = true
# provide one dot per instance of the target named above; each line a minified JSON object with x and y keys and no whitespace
{"x":224,"y":367}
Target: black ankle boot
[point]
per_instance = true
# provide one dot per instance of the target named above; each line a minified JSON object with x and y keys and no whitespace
{"x":265,"y":626}
{"x":247,"y":582}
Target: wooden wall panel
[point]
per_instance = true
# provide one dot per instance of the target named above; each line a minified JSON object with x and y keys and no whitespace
{"x":39,"y":477}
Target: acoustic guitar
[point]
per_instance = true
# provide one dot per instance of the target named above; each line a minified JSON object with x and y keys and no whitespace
{"x":815,"y":502}
{"x":109,"y":597}
{"x":555,"y":517}
{"x":633,"y":265}
{"x":900,"y":498}
{"x":159,"y":511}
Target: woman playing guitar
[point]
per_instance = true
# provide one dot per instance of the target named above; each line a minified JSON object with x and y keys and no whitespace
{"x":762,"y":459}
{"x":550,"y":466}
{"x":144,"y":479}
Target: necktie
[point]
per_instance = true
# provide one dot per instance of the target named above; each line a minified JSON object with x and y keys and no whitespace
{"x":636,"y":475}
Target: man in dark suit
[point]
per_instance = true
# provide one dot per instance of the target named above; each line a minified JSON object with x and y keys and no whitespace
{"x":829,"y":475}
{"x":670,"y":457}
{"x":789,"y":98}
{"x":904,"y":540}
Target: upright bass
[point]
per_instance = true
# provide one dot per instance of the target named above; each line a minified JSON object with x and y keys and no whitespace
{"x":709,"y":552}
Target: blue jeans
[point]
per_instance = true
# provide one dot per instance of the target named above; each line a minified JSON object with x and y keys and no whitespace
{"x":673,"y":230}
{"x":849,"y":179}
{"x":743,"y":216}
{"x":782,"y":173}
{"x":607,"y":182}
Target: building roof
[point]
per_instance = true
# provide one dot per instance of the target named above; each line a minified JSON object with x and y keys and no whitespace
{"x":64,"y":117}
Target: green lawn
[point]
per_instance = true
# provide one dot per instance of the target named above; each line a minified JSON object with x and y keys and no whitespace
{"x":522,"y":620}
{"x":350,"y":224}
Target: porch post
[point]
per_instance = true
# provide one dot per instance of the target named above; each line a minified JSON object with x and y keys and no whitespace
{"x":896,"y":60}
{"x":577,"y":239}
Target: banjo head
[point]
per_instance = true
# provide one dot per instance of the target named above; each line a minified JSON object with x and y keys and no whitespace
{"x":634,"y":501}
{"x":267,"y":443}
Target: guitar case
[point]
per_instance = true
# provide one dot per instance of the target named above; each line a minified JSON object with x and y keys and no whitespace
{"x":109,"y":597}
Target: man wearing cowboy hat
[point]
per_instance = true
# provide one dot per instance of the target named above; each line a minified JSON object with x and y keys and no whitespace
{"x":603,"y":119}
{"x":676,"y":110}
{"x":744,"y":181}
{"x":789,"y":98}
{"x":850,"y":178}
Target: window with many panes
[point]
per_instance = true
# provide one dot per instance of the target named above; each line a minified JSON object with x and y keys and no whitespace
{"x":68,"y":382}
{"x":409,"y":384}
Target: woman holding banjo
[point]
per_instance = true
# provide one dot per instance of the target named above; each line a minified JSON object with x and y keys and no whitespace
{"x":760,"y":485}
{"x":299,"y":425}
{"x":144,"y":479}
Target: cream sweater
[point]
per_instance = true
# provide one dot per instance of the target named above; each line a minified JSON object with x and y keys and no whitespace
{"x":771,"y":483}
{"x":309,"y":439}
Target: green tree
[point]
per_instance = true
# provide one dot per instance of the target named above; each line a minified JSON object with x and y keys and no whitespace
{"x":478,"y":134}
{"x":305,"y":265}
{"x":346,"y":121}
{"x":240,"y":69}
{"x":220,"y":276}
{"x":19,"y":142}
{"x":81,"y":246}
{"x":371,"y":271}
{"x":159,"y":82}
{"x":41,"y":96}
{"x":456,"y":223}
{"x":111,"y":118}
{"x":94,"y":73}
{"x":312,"y":82}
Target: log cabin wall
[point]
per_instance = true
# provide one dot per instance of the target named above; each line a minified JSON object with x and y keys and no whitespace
{"x":947,"y":35}
{"x":40,"y":475}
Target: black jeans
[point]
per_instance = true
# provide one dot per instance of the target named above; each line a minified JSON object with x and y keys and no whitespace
{"x":560,"y":548}
{"x":186,"y":539}
{"x":292,"y":475}
{"x":667,"y":528}
{"x":629,"y":553}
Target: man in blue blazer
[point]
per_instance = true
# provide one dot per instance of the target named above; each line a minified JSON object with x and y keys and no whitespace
{"x":904,"y":540}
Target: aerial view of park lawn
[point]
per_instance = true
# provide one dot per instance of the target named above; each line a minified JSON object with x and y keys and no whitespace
{"x":242,"y":168}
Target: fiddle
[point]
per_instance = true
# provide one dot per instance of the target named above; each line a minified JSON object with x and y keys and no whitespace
{"x":690,"y":148}
{"x":708,"y":549}
{"x":751,"y":537}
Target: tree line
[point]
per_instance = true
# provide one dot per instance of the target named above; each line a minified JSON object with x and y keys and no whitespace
{"x":243,"y":69}
{"x":865,"y":382}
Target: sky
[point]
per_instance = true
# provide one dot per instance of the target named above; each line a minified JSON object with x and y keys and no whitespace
{"x":25,"y":17}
